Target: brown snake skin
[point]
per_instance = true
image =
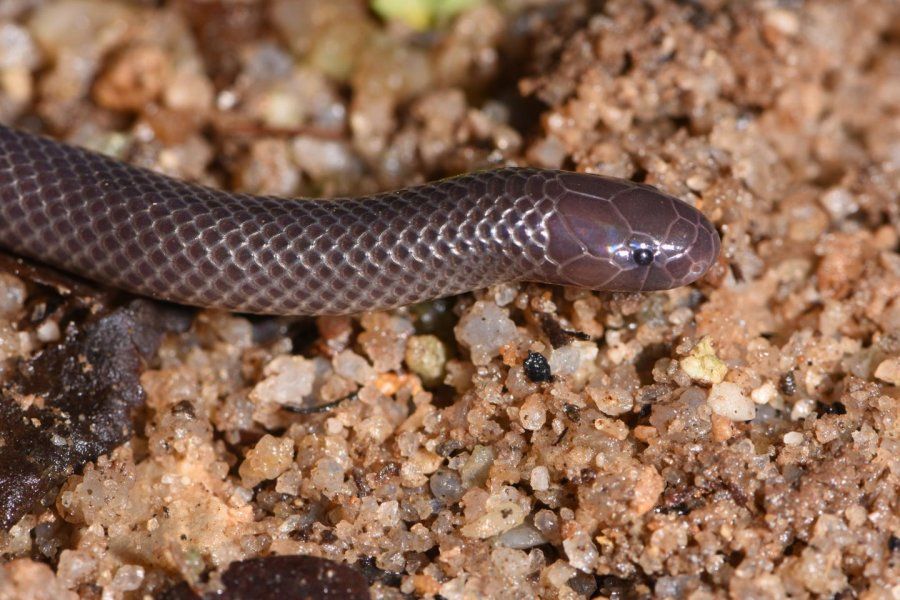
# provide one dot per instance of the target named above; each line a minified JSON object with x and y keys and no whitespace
{"x":156,"y":236}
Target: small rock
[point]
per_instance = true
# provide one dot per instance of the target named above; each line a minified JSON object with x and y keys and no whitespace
{"x":288,"y":379}
{"x":354,"y":367}
{"x":426,"y":357}
{"x":702,"y":365}
{"x":533,"y":413}
{"x":581,"y":551}
{"x":536,"y":368}
{"x":647,"y":489}
{"x":446,"y":486}
{"x":475,"y":471}
{"x":889,"y":371}
{"x":13,"y":294}
{"x":501,"y":516}
{"x":540,"y":479}
{"x":727,"y":400}
{"x":764,"y":394}
{"x":270,"y":458}
{"x":793,"y":438}
{"x":803,"y":408}
{"x":522,"y":537}
{"x":134,"y":79}
{"x":484,"y":329}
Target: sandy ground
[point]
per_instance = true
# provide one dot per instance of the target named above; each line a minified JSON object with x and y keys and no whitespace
{"x":737,"y":438}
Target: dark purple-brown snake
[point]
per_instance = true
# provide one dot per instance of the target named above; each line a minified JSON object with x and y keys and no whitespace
{"x":156,"y":236}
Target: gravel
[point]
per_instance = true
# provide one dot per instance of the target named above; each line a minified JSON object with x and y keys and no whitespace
{"x":737,"y":438}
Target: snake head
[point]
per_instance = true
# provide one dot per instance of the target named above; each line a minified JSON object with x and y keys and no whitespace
{"x":617,"y":235}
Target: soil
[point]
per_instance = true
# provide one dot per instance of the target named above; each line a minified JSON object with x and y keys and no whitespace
{"x":736,"y":438}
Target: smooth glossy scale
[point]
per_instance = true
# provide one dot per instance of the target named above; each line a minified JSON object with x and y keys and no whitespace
{"x":153,"y":235}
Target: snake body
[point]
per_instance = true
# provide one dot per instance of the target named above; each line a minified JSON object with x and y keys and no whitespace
{"x":157,"y":236}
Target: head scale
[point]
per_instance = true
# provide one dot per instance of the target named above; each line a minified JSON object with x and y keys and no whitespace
{"x":617,"y":235}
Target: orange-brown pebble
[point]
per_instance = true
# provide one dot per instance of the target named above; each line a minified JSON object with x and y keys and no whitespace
{"x":135,"y":78}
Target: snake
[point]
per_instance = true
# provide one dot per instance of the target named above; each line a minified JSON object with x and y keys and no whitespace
{"x":149,"y":234}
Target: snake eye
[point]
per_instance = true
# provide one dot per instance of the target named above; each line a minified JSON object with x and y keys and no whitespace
{"x":642,"y":256}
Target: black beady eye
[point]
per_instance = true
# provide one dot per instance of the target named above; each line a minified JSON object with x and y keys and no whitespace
{"x":642,"y":256}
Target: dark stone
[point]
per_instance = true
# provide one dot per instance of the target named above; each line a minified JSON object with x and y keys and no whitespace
{"x":282,"y":578}
{"x":88,"y":385}
{"x":788,"y":384}
{"x":537,"y":369}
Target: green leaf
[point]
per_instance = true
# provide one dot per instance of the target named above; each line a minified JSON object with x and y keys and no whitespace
{"x":421,"y":14}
